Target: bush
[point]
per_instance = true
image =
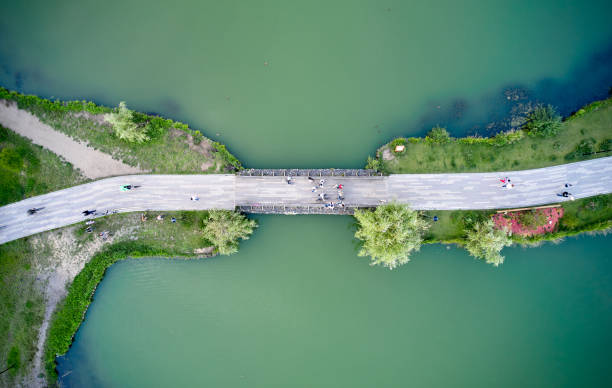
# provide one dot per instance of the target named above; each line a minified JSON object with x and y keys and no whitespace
{"x":125,"y":128}
{"x":532,"y":219}
{"x":13,"y":360}
{"x":543,"y":121}
{"x":29,"y":102}
{"x":586,"y":147}
{"x":226,"y":156}
{"x":223,"y":229}
{"x":389,"y":234}
{"x":507,"y":138}
{"x":486,"y":242}
{"x":373,"y":164}
{"x":438,"y":135}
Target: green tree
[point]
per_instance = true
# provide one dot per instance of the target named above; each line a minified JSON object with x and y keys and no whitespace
{"x":543,"y":121}
{"x":389,"y":234}
{"x":223,"y":229}
{"x":484,"y":241}
{"x":438,"y":135}
{"x":125,"y":128}
{"x":373,"y":164}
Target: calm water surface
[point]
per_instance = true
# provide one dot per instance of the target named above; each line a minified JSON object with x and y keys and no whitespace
{"x":310,"y":83}
{"x":296,"y":307}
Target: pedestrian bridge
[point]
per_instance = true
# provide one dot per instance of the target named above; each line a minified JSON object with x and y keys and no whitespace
{"x":267,"y":191}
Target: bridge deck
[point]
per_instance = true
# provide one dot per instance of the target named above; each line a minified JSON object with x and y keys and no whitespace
{"x":271,"y":193}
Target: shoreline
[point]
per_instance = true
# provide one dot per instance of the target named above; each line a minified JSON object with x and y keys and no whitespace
{"x":56,"y":280}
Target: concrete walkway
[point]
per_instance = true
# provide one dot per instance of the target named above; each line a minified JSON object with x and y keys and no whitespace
{"x":420,"y":191}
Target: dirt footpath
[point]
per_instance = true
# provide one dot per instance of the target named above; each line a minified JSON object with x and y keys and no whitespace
{"x":92,"y":163}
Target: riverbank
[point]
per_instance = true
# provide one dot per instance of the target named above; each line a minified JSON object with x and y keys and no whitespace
{"x":173,"y":147}
{"x":584,"y":135}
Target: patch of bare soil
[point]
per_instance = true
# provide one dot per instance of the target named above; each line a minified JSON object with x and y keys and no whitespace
{"x":98,"y":119}
{"x":387,"y":155}
{"x":92,"y":163}
{"x":204,"y":148}
{"x":64,"y":257}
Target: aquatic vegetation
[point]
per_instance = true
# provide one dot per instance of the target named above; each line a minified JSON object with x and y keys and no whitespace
{"x":543,"y":121}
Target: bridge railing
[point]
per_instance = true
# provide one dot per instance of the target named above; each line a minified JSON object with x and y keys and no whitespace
{"x":308,"y":172}
{"x":298,"y":209}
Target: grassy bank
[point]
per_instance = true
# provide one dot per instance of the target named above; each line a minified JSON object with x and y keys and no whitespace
{"x":172,"y":148}
{"x":21,"y":308}
{"x":582,"y":215}
{"x":27,"y":170}
{"x":585,"y":135}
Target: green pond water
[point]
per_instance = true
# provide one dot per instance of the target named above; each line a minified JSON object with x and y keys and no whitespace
{"x":296,"y":307}
{"x":323,"y":84}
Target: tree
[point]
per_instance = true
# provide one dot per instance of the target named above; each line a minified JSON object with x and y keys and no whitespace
{"x":223,"y":229}
{"x":438,"y":135}
{"x":543,"y":121}
{"x":484,"y":241}
{"x":373,"y":164}
{"x":125,"y":128}
{"x":389,"y":234}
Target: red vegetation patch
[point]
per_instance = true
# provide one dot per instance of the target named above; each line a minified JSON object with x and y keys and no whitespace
{"x":512,"y":221}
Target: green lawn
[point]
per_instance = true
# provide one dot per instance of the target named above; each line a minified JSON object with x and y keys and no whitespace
{"x":173,"y":148}
{"x":27,"y":170}
{"x":587,"y":132}
{"x":582,"y":215}
{"x":21,"y":308}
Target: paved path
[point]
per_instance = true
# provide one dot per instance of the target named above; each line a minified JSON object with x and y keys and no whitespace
{"x":92,"y":163}
{"x":421,"y":191}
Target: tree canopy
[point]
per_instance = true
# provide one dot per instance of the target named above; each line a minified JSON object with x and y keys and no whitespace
{"x":125,"y":128}
{"x":389,"y":234}
{"x":223,"y":229}
{"x":484,"y":241}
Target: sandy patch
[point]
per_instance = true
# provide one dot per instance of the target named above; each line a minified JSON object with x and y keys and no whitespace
{"x":65,"y":260}
{"x":92,"y":163}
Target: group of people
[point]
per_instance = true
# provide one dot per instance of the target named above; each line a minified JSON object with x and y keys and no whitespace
{"x":322,"y":196}
{"x":507,"y":184}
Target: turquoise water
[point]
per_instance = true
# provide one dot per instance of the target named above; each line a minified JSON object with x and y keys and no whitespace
{"x":296,"y":307}
{"x":311,"y":83}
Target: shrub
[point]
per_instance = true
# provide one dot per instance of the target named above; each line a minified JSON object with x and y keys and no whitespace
{"x":543,"y":121}
{"x":373,"y":164}
{"x":226,"y":156}
{"x":532,"y":219}
{"x":125,"y":128}
{"x":438,"y":135}
{"x":486,"y":242}
{"x":389,"y":234}
{"x":396,"y":142}
{"x":586,"y":147}
{"x":13,"y":360}
{"x":223,"y":229}
{"x":506,"y":138}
